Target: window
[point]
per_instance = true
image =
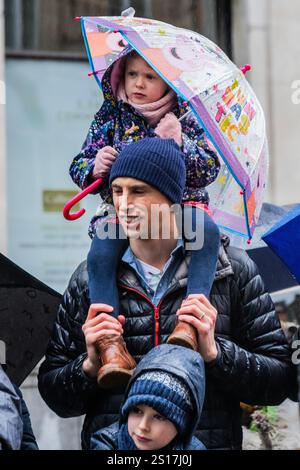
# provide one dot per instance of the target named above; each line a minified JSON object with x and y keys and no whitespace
{"x":47,"y":26}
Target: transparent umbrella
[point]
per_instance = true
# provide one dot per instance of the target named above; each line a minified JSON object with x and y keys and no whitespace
{"x":217,"y":93}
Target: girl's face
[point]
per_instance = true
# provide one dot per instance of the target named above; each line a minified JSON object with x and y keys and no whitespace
{"x":142,"y":84}
{"x":148,"y":429}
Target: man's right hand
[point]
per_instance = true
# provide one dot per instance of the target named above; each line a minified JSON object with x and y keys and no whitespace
{"x":99,"y":322}
{"x":103,"y":161}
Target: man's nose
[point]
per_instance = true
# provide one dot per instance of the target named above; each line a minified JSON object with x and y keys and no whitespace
{"x":125,"y":201}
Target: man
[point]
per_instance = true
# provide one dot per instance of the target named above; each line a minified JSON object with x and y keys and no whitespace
{"x":239,"y":336}
{"x":15,"y":424}
{"x":11,"y":425}
{"x":295,"y":344}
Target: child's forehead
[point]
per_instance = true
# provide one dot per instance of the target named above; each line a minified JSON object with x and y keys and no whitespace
{"x":137,"y":60}
{"x":147,"y":408}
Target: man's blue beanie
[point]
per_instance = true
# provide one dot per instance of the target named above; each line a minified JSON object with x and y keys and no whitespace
{"x":158,"y":162}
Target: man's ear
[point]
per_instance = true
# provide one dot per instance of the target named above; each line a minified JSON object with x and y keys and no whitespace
{"x":173,"y":207}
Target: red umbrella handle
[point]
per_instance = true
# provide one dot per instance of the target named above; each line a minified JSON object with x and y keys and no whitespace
{"x":68,"y":206}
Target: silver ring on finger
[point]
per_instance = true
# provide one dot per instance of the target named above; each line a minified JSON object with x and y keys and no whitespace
{"x":202,"y":315}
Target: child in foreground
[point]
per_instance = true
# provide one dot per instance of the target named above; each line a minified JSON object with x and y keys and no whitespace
{"x":162,"y":404}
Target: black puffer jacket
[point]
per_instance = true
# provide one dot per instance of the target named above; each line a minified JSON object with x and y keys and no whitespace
{"x":253,"y":364}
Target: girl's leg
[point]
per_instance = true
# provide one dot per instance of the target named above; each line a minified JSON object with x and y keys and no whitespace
{"x":204,"y":259}
{"x":103,"y":261}
{"x":203,"y":239}
{"x":117,"y":364}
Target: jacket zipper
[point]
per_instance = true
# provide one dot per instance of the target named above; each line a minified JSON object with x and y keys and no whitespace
{"x":156,"y":331}
{"x":156,"y":312}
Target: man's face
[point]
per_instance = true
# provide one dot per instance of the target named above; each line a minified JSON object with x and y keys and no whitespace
{"x":148,"y":429}
{"x":142,"y":210}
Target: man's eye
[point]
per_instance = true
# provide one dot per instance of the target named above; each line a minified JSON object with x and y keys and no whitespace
{"x":117,"y":191}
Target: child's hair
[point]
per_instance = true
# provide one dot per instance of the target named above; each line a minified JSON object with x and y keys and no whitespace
{"x":165,"y":393}
{"x":132,"y":55}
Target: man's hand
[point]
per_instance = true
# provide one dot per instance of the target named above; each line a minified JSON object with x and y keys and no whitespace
{"x":103,"y":161}
{"x":98,"y":324}
{"x":198,"y":311}
{"x":169,"y":128}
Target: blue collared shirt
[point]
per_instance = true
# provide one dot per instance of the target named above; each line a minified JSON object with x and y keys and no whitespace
{"x":167,"y":275}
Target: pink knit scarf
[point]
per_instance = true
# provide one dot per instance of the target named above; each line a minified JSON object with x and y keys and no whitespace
{"x":152,"y":112}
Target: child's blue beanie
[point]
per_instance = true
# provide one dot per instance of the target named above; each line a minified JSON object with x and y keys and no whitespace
{"x":165,"y":393}
{"x":158,"y":162}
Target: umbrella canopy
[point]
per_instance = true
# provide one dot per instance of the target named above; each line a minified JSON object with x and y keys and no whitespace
{"x":216,"y":92}
{"x":273,"y":269}
{"x":284,"y":239}
{"x":27,"y":312}
{"x":274,"y":272}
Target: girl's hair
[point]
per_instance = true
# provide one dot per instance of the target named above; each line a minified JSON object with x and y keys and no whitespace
{"x":133,"y":55}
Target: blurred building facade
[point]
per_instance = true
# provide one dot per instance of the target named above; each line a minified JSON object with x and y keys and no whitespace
{"x":265,"y":34}
{"x":50,"y":103}
{"x":3,"y":218}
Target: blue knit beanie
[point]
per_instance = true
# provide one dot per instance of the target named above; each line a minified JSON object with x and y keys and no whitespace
{"x":164,"y":392}
{"x":158,"y":162}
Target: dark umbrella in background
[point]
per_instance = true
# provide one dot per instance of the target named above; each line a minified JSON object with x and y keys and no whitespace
{"x":273,"y":269}
{"x":27,"y":312}
{"x":275,"y":250}
{"x":284,"y":239}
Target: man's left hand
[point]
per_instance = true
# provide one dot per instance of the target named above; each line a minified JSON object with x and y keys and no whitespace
{"x":199,"y":312}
